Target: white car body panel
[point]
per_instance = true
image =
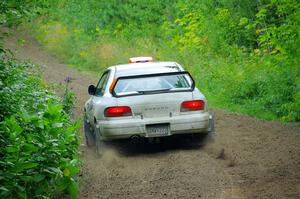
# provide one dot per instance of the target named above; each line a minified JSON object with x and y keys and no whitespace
{"x":146,"y":109}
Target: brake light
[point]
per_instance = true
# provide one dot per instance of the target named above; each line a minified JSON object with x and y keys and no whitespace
{"x":194,"y":105}
{"x":117,"y":111}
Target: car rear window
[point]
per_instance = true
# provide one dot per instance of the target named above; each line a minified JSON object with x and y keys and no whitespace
{"x":159,"y":83}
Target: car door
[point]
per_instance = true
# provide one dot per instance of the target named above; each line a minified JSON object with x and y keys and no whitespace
{"x":97,"y":97}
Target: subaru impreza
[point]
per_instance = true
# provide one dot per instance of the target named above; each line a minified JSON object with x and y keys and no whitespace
{"x":144,"y":99}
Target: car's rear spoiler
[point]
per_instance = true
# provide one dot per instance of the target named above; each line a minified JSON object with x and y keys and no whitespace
{"x":153,"y":75}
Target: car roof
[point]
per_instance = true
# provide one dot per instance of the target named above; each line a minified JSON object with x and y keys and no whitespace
{"x":146,"y":68}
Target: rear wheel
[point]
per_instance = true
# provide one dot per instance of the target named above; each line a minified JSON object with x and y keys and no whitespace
{"x":100,"y":144}
{"x":89,"y":137}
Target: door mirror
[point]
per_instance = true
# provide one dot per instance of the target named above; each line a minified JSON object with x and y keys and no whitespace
{"x":92,"y":90}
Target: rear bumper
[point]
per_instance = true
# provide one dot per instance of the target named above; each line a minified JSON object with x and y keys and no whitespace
{"x":182,"y":124}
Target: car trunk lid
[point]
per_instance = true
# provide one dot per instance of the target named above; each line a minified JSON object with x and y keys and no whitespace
{"x":155,"y":105}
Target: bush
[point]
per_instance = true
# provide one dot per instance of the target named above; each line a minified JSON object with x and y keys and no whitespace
{"x":38,"y":139}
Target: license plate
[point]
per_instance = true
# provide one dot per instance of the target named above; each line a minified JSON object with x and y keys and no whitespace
{"x":157,"y":130}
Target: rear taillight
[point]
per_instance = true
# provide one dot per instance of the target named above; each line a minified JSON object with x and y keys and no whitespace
{"x":117,"y":111}
{"x":195,"y":105}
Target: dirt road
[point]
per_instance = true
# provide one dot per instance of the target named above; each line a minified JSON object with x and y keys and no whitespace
{"x":249,"y":158}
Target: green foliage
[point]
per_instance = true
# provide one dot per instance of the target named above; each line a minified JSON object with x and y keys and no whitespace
{"x":68,"y":98}
{"x":38,"y":140}
{"x":243,"y":54}
{"x":13,"y":12}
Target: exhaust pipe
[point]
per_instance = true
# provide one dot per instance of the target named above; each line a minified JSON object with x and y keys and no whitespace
{"x":135,"y":139}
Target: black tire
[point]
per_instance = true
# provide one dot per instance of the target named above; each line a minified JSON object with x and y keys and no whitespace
{"x":100,"y":144}
{"x":89,"y":136}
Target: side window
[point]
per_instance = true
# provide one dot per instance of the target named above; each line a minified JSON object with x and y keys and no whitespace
{"x":102,"y":84}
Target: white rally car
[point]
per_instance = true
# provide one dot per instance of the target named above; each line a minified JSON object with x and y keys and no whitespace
{"x":144,"y":99}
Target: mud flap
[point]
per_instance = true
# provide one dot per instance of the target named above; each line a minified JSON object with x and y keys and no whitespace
{"x":211,"y":123}
{"x":100,"y":144}
{"x":210,"y":136}
{"x":89,"y":137}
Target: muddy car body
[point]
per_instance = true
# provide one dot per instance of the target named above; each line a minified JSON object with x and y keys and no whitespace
{"x":152,"y":99}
